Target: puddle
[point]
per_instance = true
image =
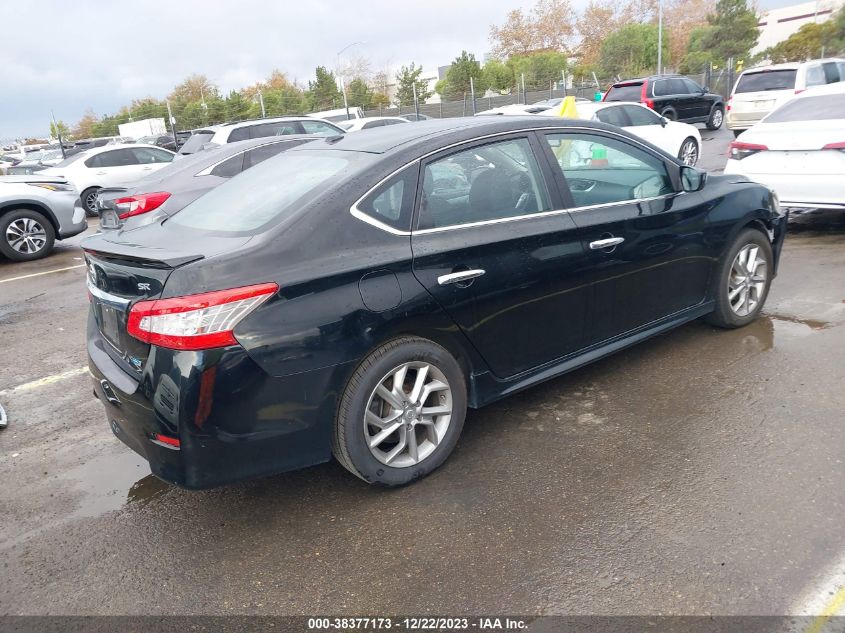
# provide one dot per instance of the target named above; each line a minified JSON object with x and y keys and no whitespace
{"x":109,"y":482}
{"x":801,"y":324}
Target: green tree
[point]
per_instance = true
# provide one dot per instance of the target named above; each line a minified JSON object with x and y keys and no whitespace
{"x":698,"y":56}
{"x":323,"y":93}
{"x":733,"y":31}
{"x":539,"y":68}
{"x":407,"y":78}
{"x":457,"y":83}
{"x":236,"y":106}
{"x":59,"y":128}
{"x":631,"y":51}
{"x":497,"y":75}
{"x":805,"y":43}
{"x":359,"y":95}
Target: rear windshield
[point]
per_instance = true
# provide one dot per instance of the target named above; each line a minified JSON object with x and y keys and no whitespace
{"x":768,"y":80}
{"x":195,"y":143}
{"x":71,"y":159}
{"x":267,"y":193}
{"x":820,"y":108}
{"x":626,"y":92}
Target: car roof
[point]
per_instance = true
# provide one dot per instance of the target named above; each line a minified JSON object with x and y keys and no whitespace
{"x":239,"y":124}
{"x":212,"y":153}
{"x":383,"y":139}
{"x":107,"y":148}
{"x":771,"y":67}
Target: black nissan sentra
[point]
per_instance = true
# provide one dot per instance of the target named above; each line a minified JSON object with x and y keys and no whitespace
{"x":354,"y":295}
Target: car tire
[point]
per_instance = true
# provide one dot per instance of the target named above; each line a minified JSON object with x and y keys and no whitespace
{"x":89,"y":201}
{"x":364,"y":416}
{"x":689,"y":151}
{"x":716,"y":118}
{"x":739,"y":302}
{"x":39,"y":240}
{"x":670,"y":114}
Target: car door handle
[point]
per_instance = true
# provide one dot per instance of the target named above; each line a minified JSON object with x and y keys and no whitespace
{"x":460,"y":276}
{"x":147,"y":168}
{"x":610,"y":242}
{"x":101,"y":173}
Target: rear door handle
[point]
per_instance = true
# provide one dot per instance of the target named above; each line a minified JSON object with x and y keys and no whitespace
{"x":610,"y":242}
{"x":460,"y":276}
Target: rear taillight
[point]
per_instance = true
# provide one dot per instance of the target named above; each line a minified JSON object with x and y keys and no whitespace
{"x":141,"y":203}
{"x":739,"y":150}
{"x":644,"y":96}
{"x":196,"y":322}
{"x":840,"y":146}
{"x":728,"y":105}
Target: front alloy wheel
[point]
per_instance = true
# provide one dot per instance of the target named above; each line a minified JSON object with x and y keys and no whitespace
{"x":689,"y":152}
{"x":747,"y":280}
{"x":408,"y":414}
{"x":26,"y":235}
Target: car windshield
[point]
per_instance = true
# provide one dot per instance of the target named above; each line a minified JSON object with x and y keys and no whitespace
{"x":625,"y":92}
{"x":265,"y":193}
{"x":767,"y":80}
{"x":818,"y":108}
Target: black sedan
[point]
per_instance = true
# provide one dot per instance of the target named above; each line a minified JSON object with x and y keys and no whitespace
{"x":354,"y":295}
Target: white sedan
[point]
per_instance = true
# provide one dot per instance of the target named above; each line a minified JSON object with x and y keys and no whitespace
{"x":798,"y":150}
{"x":673,"y":137}
{"x":369,"y":122}
{"x":106,"y":166}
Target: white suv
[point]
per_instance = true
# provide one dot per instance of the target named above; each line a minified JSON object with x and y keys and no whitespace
{"x":258,"y":128}
{"x":758,"y":91}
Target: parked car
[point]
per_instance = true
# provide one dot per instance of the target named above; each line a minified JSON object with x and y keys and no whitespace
{"x":677,"y":139}
{"x":259,"y":128}
{"x":36,"y":211}
{"x":106,"y":166}
{"x":413,"y":116}
{"x":324,"y":302}
{"x":370,"y":122}
{"x":673,"y":137}
{"x":171,"y":188}
{"x":7,"y":161}
{"x":674,"y":97}
{"x":161,"y":140}
{"x":798,"y":150}
{"x":759,"y":91}
{"x":338,"y":114}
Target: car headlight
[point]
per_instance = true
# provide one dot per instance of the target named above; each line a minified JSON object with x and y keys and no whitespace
{"x":52,"y":186}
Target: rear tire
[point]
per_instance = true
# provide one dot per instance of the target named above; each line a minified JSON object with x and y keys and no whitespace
{"x":426,"y":413}
{"x":89,"y":201}
{"x":25,"y":235}
{"x":741,"y":290}
{"x":669,"y":114}
{"x":716,"y":118}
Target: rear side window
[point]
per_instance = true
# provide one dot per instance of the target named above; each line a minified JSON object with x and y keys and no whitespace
{"x":116,"y":158}
{"x":229,"y":167}
{"x":280,"y":128}
{"x":769,"y":80}
{"x":260,"y":154}
{"x":821,"y":108}
{"x":625,"y":92}
{"x":392,"y":202}
{"x":149,"y":155}
{"x":319,"y":128}
{"x":613,"y":116}
{"x":267,"y":193}
{"x":640,"y":116}
{"x":371,"y":124}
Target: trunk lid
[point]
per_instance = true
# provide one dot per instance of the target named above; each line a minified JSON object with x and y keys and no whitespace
{"x":122,"y":272}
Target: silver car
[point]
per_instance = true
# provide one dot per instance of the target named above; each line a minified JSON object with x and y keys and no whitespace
{"x":35,"y":211}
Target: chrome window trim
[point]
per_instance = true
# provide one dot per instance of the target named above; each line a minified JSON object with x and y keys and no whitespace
{"x":207,"y":171}
{"x":356,"y":212}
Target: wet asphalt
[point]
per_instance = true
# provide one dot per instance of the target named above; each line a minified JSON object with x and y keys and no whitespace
{"x":698,"y":473}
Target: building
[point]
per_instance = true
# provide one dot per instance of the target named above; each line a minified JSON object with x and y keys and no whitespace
{"x":776,"y":25}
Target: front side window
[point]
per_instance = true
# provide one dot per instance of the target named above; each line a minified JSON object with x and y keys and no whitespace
{"x":831,"y":73}
{"x":692,"y":87}
{"x":601,"y":170}
{"x":319,"y":128}
{"x":641,"y":116}
{"x":488,"y":182}
{"x":815,"y":76}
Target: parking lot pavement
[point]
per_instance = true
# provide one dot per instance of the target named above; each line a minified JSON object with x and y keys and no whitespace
{"x":700,"y":472}
{"x":714,"y":148}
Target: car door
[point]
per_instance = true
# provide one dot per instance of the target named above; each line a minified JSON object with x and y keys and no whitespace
{"x":648,"y":125}
{"x":699,"y":104}
{"x":646,"y":241}
{"x":150,"y":159}
{"x":494,"y":248}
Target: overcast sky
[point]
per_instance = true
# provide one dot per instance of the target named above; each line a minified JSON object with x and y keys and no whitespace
{"x":69,"y":56}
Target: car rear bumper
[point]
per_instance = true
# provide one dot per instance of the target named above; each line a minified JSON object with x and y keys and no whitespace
{"x":743,"y":120}
{"x":807,"y":191}
{"x":233,"y":420}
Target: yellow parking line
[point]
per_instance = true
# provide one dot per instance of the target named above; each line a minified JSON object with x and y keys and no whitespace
{"x":46,"y":272}
{"x":41,"y":382}
{"x":829,"y":611}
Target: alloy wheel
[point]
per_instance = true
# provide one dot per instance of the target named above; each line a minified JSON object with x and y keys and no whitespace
{"x":717,"y":119}
{"x":689,"y":152}
{"x":26,"y":236}
{"x":747,"y":280}
{"x":408,"y":414}
{"x":91,"y":202}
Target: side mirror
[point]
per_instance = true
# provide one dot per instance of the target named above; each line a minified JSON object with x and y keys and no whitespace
{"x":705,"y":90}
{"x":664,"y":121}
{"x":692,"y":179}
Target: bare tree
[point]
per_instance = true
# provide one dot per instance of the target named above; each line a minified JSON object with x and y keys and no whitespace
{"x":548,"y":27}
{"x":599,"y":18}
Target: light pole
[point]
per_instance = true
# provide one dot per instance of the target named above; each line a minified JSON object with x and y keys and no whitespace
{"x":659,"y":37}
{"x":340,"y":77}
